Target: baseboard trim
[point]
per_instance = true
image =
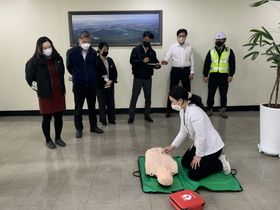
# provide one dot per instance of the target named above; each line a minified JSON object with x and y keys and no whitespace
{"x":124,"y":111}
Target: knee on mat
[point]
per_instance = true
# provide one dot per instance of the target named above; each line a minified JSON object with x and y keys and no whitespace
{"x":194,"y":176}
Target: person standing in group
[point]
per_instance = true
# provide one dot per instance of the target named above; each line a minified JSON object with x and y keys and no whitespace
{"x":81,"y":63}
{"x":107,"y":75}
{"x":143,"y":60}
{"x":44,"y":72}
{"x":219,"y":68}
{"x":205,"y":156}
{"x":181,"y":54}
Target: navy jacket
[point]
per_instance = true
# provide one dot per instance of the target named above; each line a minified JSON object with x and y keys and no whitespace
{"x":82,"y":70}
{"x":139,"y":69}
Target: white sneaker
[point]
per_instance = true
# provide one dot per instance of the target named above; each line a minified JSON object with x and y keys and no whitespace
{"x":226,"y":166}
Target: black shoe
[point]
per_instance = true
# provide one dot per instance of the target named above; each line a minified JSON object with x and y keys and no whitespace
{"x":79,"y":134}
{"x":51,"y":145}
{"x":130,"y":120}
{"x":112,"y":122}
{"x":104,"y":123}
{"x":149,"y":119}
{"x":96,"y":130}
{"x":167,"y":114}
{"x":60,"y":143}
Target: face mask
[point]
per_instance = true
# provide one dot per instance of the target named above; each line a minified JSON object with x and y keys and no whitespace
{"x":176,"y":107}
{"x":47,"y":52}
{"x":146,"y":44}
{"x":85,"y":46}
{"x":219,"y":44}
{"x":105,"y":54}
{"x":182,"y":40}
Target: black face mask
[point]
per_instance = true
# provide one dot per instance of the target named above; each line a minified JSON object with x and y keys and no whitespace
{"x":105,"y":54}
{"x":219,"y":44}
{"x":146,"y":44}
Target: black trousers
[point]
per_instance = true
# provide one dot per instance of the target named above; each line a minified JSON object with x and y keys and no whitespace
{"x":138,"y":84}
{"x":106,"y":99}
{"x":209,"y":164}
{"x":46,"y":125}
{"x":176,"y":75}
{"x":82,"y":92}
{"x":213,"y":84}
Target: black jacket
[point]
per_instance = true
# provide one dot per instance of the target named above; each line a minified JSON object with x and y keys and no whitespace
{"x":41,"y":74}
{"x":139,"y":69}
{"x":82,"y":70}
{"x":101,"y":70}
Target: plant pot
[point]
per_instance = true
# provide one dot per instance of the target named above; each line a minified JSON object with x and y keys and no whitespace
{"x":269,"y":131}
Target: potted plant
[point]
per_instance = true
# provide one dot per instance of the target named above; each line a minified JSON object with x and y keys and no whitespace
{"x":262,"y":43}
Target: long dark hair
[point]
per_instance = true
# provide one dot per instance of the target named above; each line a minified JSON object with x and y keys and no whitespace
{"x":38,"y":54}
{"x":178,"y":92}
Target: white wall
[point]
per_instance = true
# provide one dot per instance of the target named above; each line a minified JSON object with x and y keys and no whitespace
{"x":22,"y":22}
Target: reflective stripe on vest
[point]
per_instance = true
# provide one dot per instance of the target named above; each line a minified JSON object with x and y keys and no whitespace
{"x":221,"y":65}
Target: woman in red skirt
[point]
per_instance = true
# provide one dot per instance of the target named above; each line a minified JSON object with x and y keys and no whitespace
{"x":44,"y":73}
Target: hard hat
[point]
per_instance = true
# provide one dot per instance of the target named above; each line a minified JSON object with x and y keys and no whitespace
{"x":221,"y":35}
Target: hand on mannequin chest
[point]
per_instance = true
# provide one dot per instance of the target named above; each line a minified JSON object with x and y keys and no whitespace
{"x":160,"y":165}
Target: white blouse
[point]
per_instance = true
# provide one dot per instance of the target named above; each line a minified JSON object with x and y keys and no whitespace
{"x":196,"y":125}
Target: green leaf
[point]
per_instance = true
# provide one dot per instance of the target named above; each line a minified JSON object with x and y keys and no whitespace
{"x":266,"y":43}
{"x":258,"y":3}
{"x":253,"y":54}
{"x":276,"y":47}
{"x":274,"y":58}
{"x":250,"y":45}
{"x":270,"y":49}
{"x":266,"y":34}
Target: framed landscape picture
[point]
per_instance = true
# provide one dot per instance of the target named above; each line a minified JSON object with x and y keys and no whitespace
{"x":117,"y":28}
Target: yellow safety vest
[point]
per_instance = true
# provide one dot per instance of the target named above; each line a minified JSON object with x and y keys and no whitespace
{"x":221,"y":64}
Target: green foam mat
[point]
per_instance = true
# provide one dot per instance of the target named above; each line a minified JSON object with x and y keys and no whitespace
{"x":218,"y":182}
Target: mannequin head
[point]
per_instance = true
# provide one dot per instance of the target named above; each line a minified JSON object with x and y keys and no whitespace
{"x":164,"y":176}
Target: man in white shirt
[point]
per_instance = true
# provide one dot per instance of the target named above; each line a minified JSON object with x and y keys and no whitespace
{"x":182,"y":69}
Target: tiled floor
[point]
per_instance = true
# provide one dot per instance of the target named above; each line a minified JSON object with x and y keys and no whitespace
{"x":95,"y":172}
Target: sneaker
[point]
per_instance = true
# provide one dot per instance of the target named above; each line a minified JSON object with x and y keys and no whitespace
{"x":226,"y":166}
{"x":209,"y":112}
{"x":50,"y":145}
{"x":223,"y":112}
{"x":60,"y":143}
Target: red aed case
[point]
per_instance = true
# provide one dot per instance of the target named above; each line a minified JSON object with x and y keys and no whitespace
{"x":186,"y":200}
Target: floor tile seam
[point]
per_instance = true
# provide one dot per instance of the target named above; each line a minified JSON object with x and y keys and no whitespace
{"x":32,"y":188}
{"x":15,"y":176}
{"x":236,"y":200}
{"x":26,"y":196}
{"x":98,"y":158}
{"x":16,"y":153}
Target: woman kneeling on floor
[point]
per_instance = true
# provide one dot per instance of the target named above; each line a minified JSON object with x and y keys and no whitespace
{"x":205,"y":156}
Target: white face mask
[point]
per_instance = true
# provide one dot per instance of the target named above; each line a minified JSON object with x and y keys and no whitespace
{"x":47,"y":52}
{"x":85,"y":46}
{"x":182,"y":40}
{"x":176,"y":107}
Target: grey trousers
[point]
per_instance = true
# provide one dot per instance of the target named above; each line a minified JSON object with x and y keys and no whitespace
{"x":136,"y":89}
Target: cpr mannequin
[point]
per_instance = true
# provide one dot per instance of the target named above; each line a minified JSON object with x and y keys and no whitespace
{"x":160,"y":165}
